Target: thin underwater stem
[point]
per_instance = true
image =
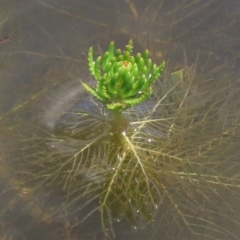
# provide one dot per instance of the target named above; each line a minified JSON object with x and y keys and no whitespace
{"x":119,"y":124}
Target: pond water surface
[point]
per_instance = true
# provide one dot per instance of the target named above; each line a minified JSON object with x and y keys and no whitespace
{"x":43,"y":56}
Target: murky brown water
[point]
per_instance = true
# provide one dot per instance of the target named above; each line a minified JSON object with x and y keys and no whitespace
{"x":191,"y":139}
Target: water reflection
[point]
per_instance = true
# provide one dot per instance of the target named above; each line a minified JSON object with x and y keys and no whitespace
{"x":43,"y":50}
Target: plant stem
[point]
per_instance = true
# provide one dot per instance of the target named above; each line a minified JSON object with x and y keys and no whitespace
{"x":119,"y":126}
{"x":118,"y":117}
{"x":119,"y":123}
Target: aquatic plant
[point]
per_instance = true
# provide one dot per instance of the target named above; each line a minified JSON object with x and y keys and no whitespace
{"x":123,"y":80}
{"x":153,"y":164}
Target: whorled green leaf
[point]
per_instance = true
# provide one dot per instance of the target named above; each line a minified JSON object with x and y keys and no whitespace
{"x":102,"y":91}
{"x":145,"y":70}
{"x":93,"y":92}
{"x":97,"y":71}
{"x":126,"y":56}
{"x":127,"y":84}
{"x":111,"y":85}
{"x":149,"y":65}
{"x":136,"y":87}
{"x":117,"y":54}
{"x":142,"y":97}
{"x":156,"y":73}
{"x":140,"y":63}
{"x":105,"y":60}
{"x":135,"y":70}
{"x":111,"y":51}
{"x":129,"y":46}
{"x":91,"y":63}
{"x":145,"y":55}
